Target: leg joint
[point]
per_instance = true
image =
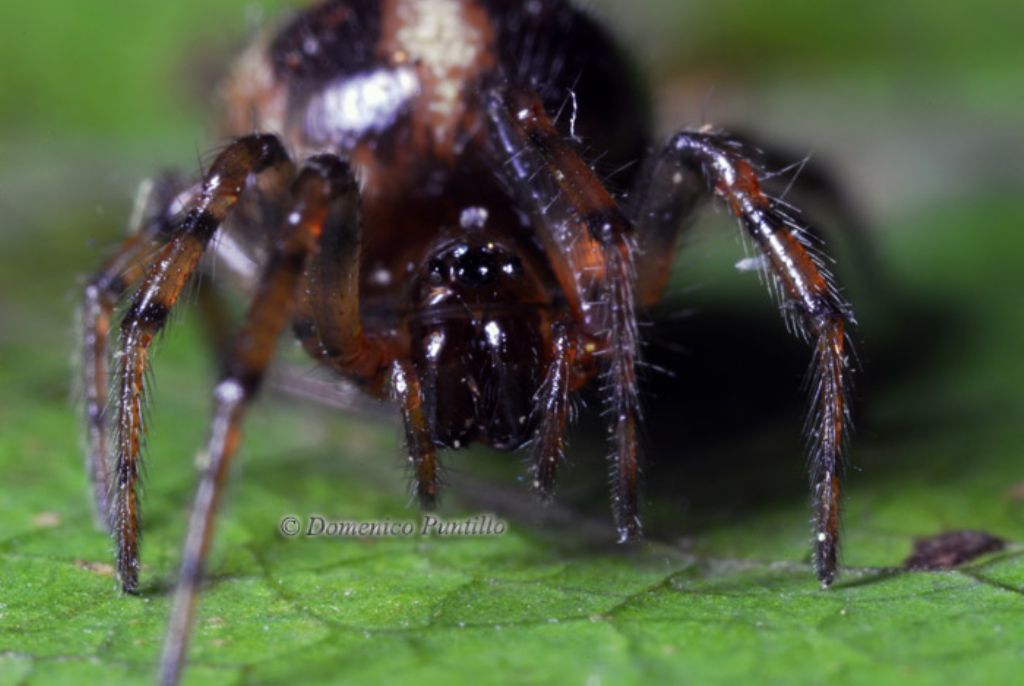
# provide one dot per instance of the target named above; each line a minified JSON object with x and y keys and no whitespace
{"x":269,"y":152}
{"x":148,"y":314}
{"x":336,"y":171}
{"x":235,"y":389}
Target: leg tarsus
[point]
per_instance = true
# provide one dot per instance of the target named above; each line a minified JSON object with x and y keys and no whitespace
{"x":97,"y":308}
{"x":622,"y":400}
{"x":552,"y":408}
{"x":830,"y":422}
{"x":406,"y":392}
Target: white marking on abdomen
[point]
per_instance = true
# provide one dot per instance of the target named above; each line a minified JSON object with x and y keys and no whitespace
{"x":355,"y":105}
{"x":445,"y":40}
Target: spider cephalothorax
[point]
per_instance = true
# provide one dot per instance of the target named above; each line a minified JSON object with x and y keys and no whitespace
{"x":415,"y":203}
{"x":479,"y":344}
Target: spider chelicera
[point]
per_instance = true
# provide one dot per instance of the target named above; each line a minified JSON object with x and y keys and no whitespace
{"x":407,"y":189}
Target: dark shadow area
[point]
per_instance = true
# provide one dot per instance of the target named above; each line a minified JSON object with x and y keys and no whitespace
{"x":725,"y":400}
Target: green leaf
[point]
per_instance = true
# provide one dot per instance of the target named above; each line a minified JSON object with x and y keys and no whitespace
{"x":722,"y":592}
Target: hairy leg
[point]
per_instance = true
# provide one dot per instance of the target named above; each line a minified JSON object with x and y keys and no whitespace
{"x":406,"y":392}
{"x":696,"y":164}
{"x":552,"y":405}
{"x":249,"y":355}
{"x":166,"y":277}
{"x":589,"y":243}
{"x":151,"y":221}
{"x":807,"y":180}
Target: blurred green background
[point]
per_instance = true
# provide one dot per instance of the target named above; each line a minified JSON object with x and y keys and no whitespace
{"x":917,"y":107}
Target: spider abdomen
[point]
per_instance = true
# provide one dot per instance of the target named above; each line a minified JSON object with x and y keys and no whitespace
{"x":397,"y":82}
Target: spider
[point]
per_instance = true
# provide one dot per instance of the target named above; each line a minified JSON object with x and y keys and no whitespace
{"x":406,"y":188}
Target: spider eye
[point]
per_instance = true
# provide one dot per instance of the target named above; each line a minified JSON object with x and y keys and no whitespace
{"x":437,"y":271}
{"x":476,"y":268}
{"x":512,"y":267}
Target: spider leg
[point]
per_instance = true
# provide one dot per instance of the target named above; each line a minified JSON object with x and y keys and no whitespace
{"x":150,"y":225}
{"x":406,"y":391}
{"x":805,"y":175}
{"x":328,"y":323}
{"x":552,"y":406}
{"x":292,"y":379}
{"x":289,"y":378}
{"x":321,"y":180}
{"x":168,"y":273}
{"x":696,"y":164}
{"x":808,"y":180}
{"x":589,"y":243}
{"x":327,"y":319}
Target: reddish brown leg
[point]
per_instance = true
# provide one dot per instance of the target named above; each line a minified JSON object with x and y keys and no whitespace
{"x":406,"y":392}
{"x":151,"y":220}
{"x":249,"y":354}
{"x":169,"y":272}
{"x":327,"y":319}
{"x":694,"y":164}
{"x":553,"y":407}
{"x":328,"y":323}
{"x":588,"y":241}
{"x":813,"y":182}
